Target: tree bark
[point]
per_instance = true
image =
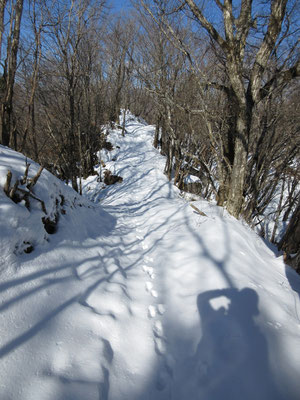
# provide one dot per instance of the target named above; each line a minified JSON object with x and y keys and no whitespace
{"x":9,"y":75}
{"x":2,"y":12}
{"x":242,"y":94}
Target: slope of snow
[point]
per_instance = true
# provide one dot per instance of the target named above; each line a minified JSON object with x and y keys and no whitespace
{"x":144,"y":298}
{"x":20,"y":226}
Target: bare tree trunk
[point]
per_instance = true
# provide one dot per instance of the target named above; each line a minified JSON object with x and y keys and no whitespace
{"x":124,"y":121}
{"x":277,"y":214}
{"x":291,"y":239}
{"x":2,"y":12}
{"x":236,"y":188}
{"x":30,"y":120}
{"x":9,"y":75}
{"x":157,"y":131}
{"x":71,"y":137}
{"x":290,"y":243}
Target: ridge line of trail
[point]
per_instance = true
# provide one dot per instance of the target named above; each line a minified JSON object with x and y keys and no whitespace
{"x":141,"y":298}
{"x":149,"y":206}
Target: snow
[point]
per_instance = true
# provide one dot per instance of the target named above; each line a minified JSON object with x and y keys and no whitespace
{"x":191,"y":179}
{"x":137,"y":296}
{"x":266,"y":223}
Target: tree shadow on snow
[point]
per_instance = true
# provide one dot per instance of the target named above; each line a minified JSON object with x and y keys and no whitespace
{"x":231,"y":359}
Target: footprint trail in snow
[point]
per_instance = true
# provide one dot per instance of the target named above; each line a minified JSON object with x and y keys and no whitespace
{"x":125,"y":305}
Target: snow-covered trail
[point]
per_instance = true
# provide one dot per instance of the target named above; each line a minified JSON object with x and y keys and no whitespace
{"x":149,"y":300}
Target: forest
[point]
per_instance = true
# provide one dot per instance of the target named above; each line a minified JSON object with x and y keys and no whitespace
{"x":219,"y":79}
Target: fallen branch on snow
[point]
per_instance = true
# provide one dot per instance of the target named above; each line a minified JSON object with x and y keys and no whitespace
{"x":198,"y":211}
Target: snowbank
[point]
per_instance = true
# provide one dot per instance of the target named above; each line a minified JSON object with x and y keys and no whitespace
{"x":51,"y":203}
{"x":144,"y":298}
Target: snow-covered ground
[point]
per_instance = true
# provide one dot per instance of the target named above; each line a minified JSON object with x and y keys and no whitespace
{"x":137,"y":296}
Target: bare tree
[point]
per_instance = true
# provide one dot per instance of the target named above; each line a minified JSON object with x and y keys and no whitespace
{"x":290,"y":242}
{"x":38,"y":24}
{"x":10,"y":68}
{"x":244,"y":45}
{"x":2,"y":12}
{"x":68,"y":67}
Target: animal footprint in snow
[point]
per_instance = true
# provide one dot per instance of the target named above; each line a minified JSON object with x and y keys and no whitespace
{"x":161,"y":309}
{"x":145,"y":246}
{"x":151,"y":311}
{"x":154,"y":293}
{"x":149,"y":286}
{"x":158,"y":329}
{"x":276,"y":325}
{"x":107,"y":351}
{"x":160,"y":346}
{"x":149,"y":271}
{"x":148,"y":259}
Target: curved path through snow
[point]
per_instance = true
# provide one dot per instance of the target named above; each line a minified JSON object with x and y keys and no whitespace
{"x":138,"y":311}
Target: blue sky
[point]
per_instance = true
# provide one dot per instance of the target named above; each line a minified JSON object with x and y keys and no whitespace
{"x":120,"y":4}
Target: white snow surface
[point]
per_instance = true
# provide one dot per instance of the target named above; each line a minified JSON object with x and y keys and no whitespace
{"x":191,"y":179}
{"x":137,"y":296}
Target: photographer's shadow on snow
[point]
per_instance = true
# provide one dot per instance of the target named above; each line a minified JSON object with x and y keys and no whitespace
{"x":231,"y":360}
